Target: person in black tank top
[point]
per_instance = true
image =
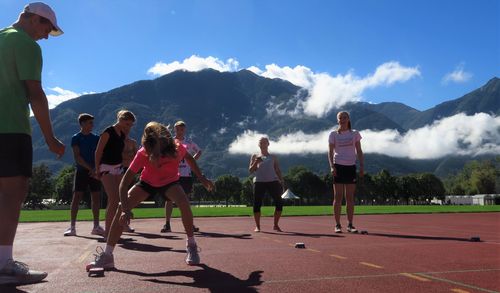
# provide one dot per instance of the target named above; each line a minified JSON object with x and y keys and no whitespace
{"x":108,"y":160}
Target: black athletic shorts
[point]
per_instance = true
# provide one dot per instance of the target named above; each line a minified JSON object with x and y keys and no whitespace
{"x":187,"y":184}
{"x":345,"y":174}
{"x":83,"y":180}
{"x":156,"y":190}
{"x":16,"y":155}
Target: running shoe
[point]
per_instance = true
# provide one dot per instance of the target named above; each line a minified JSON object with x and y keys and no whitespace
{"x":15,"y":272}
{"x":351,"y":229}
{"x":128,"y":229}
{"x":338,"y":228}
{"x":97,"y":231}
{"x":166,"y":228}
{"x":102,"y":260}
{"x":71,"y":231}
{"x":196,"y":229}
{"x":192,"y":257}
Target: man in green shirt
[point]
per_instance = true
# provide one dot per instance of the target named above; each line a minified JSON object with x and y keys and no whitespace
{"x":20,"y":86}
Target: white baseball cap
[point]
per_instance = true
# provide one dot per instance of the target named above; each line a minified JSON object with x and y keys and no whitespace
{"x":44,"y":10}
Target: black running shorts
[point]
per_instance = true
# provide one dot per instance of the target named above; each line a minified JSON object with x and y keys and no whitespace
{"x":345,"y":174}
{"x":83,"y":180}
{"x":16,"y":155}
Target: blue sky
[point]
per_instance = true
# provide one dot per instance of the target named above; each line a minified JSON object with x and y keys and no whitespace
{"x":434,"y":51}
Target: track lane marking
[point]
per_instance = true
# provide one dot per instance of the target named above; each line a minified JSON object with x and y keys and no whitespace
{"x":84,"y":256}
{"x":456,"y":290}
{"x":313,"y":250}
{"x":415,"y":277}
{"x":371,"y":265}
{"x":455,"y":283}
{"x":338,"y":256}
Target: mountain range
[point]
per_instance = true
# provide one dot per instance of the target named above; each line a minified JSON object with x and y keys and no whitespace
{"x":219,"y":106}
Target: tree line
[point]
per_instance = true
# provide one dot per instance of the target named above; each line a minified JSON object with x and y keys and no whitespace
{"x":477,"y":177}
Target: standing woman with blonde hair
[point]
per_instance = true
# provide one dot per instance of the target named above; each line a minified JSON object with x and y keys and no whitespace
{"x":108,"y":160}
{"x":344,"y":147}
{"x":267,"y":178}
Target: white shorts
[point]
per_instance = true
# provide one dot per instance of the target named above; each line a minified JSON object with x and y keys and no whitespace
{"x":111,"y":169}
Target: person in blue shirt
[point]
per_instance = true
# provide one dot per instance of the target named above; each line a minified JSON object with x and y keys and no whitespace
{"x":84,"y":144}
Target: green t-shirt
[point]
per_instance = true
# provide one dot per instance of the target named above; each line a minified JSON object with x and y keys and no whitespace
{"x":20,"y":60}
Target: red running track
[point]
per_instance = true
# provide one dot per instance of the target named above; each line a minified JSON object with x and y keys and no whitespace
{"x":400,"y":253}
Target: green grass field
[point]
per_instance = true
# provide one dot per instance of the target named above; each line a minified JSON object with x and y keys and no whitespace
{"x":86,"y":215}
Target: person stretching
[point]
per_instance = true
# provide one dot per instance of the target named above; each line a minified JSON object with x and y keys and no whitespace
{"x":159,"y":158}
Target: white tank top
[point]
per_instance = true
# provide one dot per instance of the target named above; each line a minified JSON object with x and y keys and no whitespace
{"x":265,"y":171}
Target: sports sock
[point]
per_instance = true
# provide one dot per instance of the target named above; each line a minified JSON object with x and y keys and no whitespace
{"x":191,"y":241}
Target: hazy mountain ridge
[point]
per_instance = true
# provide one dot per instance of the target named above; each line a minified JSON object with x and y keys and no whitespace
{"x":219,"y":106}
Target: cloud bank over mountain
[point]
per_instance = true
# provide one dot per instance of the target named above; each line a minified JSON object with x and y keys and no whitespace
{"x":458,"y":135}
{"x":325,"y":91}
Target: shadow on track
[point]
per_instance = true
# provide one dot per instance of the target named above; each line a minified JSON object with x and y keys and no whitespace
{"x":419,"y":237}
{"x":207,"y":278}
{"x":137,"y":246}
{"x":14,"y":289}
{"x":221,"y":235}
{"x":291,"y":233}
{"x":156,"y":236}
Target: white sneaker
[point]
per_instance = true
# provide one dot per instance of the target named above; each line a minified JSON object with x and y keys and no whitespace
{"x":102,"y":260}
{"x":15,"y":272}
{"x":71,"y":231}
{"x":351,"y":229}
{"x":97,"y":231}
{"x":338,"y":229}
{"x":192,"y":257}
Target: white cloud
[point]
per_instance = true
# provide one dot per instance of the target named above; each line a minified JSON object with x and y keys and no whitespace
{"x":194,"y":63}
{"x":458,"y":75}
{"x":62,"y":95}
{"x":327,"y":92}
{"x":255,"y":70}
{"x":459,"y":134}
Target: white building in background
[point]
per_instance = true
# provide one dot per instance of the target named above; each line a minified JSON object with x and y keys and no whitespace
{"x":478,"y":199}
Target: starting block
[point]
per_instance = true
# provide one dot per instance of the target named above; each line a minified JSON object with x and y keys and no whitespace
{"x":300,"y":245}
{"x":96,"y":272}
{"x":364,"y":232}
{"x":475,"y":239}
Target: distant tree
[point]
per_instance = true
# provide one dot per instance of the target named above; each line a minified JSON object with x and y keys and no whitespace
{"x":228,"y":187}
{"x":63,"y":184}
{"x":430,"y":186}
{"x":40,"y":187}
{"x":407,"y":187}
{"x":483,"y":178}
{"x":385,"y":186}
{"x":247,"y":191}
{"x":477,"y":177}
{"x":365,"y":190}
{"x":305,"y":184}
{"x":200,"y":193}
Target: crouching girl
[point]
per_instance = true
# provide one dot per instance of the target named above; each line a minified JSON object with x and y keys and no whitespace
{"x":159,"y":160}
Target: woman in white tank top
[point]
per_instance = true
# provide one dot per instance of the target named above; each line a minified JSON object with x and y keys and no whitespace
{"x":267,"y":178}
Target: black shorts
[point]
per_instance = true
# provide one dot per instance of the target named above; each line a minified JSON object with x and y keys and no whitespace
{"x":187,"y":184}
{"x":345,"y":174}
{"x":152,"y":191}
{"x":83,"y":180}
{"x":16,"y":155}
